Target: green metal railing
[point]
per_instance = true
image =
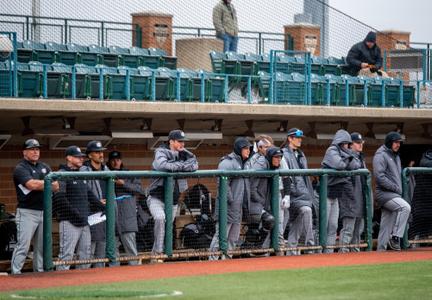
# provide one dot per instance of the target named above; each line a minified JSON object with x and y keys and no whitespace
{"x":222,"y":192}
{"x":406,"y":194}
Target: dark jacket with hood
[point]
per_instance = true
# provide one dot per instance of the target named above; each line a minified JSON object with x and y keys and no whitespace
{"x":387,"y":171}
{"x":74,"y":201}
{"x":361,"y":53}
{"x":354,"y":207}
{"x":422,"y":200}
{"x":339,"y":158}
{"x":261,"y":186}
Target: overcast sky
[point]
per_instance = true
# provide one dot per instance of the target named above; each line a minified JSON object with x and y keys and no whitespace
{"x":269,"y":15}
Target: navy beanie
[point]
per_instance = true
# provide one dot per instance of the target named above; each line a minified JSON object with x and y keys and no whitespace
{"x":371,"y":37}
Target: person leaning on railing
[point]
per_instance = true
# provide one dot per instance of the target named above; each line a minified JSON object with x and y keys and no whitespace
{"x":168,"y":158}
{"x":28,"y":178}
{"x":73,"y":204}
{"x":126,"y":190}
{"x":395,"y":210}
{"x":301,"y":193}
{"x":340,"y":189}
{"x":351,"y":210}
{"x":95,"y":153}
{"x":238,"y":193}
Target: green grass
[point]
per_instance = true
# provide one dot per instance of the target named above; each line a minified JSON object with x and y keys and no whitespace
{"x":388,"y":281}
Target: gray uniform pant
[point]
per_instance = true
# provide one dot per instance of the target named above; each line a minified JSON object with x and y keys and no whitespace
{"x":98,"y":251}
{"x":394,"y":218}
{"x":233,"y":235}
{"x":283,"y":221}
{"x":72,"y":237}
{"x":332,"y":222}
{"x":29,"y":224}
{"x":157,"y":210}
{"x":302,"y":225}
{"x":129,"y":244}
{"x":352,"y":229}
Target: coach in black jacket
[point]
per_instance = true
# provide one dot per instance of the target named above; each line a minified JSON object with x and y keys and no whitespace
{"x":365,"y":55}
{"x":73,"y":203}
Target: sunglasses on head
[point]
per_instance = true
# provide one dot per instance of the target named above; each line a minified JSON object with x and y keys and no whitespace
{"x":297,"y":133}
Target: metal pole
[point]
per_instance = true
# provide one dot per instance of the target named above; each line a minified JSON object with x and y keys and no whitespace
{"x":271,"y":88}
{"x":418,"y":94}
{"x":153,"y":86}
{"x":365,"y":93}
{"x":383,"y":100}
{"x":15,"y":65}
{"x":73,"y":82}
{"x":249,"y":89}
{"x":47,"y":226}
{"x":401,"y":93}
{"x":66,"y":31}
{"x":323,"y":211}
{"x":45,"y":82}
{"x":407,"y":198}
{"x":36,"y":10}
{"x":223,"y":208}
{"x":101,"y":83}
{"x":202,"y":88}
{"x":110,"y":246}
{"x":367,"y":190}
{"x":168,"y":200}
{"x":178,"y":86}
{"x":127,"y":85}
{"x":275,"y":193}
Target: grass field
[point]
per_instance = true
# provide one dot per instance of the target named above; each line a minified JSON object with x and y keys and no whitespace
{"x":387,"y":281}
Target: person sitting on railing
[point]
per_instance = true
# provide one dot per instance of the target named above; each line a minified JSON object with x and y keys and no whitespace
{"x":126,"y":190}
{"x":226,"y":25}
{"x":340,"y":189}
{"x":95,"y":154}
{"x":301,"y":193}
{"x":395,"y":210}
{"x":168,"y":158}
{"x":351,"y":210}
{"x":73,"y":204}
{"x":238,"y":192}
{"x":364,"y":58}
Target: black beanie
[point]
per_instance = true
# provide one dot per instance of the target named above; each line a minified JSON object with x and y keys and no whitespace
{"x":239,"y":144}
{"x":371,"y":37}
{"x":391,"y":137}
{"x":271,"y":152}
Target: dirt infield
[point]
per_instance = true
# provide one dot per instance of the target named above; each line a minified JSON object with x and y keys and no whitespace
{"x":168,"y":270}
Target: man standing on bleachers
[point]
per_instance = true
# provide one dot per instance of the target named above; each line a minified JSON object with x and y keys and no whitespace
{"x":226,"y":25}
{"x":28,"y":178}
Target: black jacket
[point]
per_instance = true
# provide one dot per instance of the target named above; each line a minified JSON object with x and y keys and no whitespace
{"x":74,"y":201}
{"x":360,"y":53}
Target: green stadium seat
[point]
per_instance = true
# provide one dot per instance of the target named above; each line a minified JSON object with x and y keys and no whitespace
{"x":217,"y":61}
{"x":264,"y":63}
{"x":165,"y":84}
{"x":83,"y":56}
{"x":59,"y":80}
{"x":166,"y":61}
{"x":87,"y":81}
{"x":5,"y":79}
{"x":187,"y":79}
{"x":317,"y":65}
{"x":141,"y":84}
{"x":335,"y":66}
{"x":62,"y":54}
{"x":30,"y":79}
{"x":214,"y":86}
{"x":115,"y":83}
{"x":137,"y":56}
{"x":25,"y":54}
{"x":104,"y":56}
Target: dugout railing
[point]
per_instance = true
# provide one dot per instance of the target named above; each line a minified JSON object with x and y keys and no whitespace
{"x":415,"y":184}
{"x":222,"y":177}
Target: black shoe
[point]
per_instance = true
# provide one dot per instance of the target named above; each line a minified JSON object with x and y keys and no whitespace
{"x":394,"y":243}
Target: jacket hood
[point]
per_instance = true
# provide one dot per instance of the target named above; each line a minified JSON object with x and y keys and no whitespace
{"x":271,"y":152}
{"x":391,"y":137}
{"x":342,"y":137}
{"x":426,"y":160}
{"x":239,"y":144}
{"x":370,"y":37}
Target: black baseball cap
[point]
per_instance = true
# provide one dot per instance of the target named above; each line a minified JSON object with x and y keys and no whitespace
{"x":31,"y":143}
{"x":74,"y":151}
{"x":356,"y":137}
{"x":295,"y":132}
{"x":177,"y":135}
{"x":94,"y":146}
{"x":114,"y":154}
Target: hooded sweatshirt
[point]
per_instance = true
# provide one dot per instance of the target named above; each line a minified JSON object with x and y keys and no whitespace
{"x":361,"y":53}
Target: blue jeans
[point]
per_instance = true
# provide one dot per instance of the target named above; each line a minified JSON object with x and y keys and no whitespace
{"x":230,"y":42}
